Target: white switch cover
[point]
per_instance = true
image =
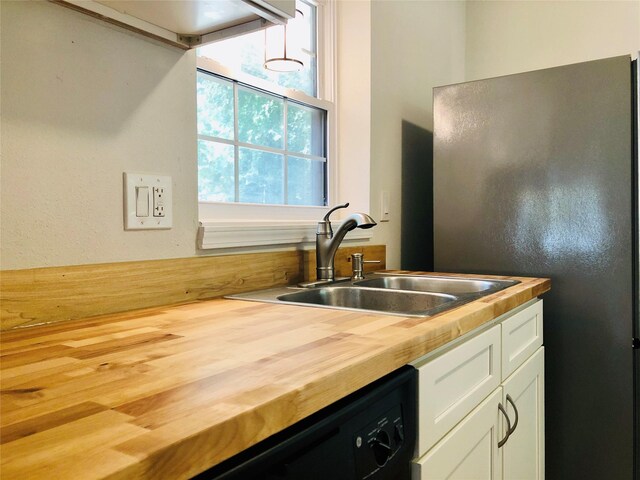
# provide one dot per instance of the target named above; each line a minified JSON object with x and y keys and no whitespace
{"x":157,"y":189}
{"x":384,"y":207}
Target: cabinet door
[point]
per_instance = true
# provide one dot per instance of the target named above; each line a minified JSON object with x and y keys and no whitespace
{"x":452,"y":385}
{"x":523,"y":454}
{"x":470,"y":451}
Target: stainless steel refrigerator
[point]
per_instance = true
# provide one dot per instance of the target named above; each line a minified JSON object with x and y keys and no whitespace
{"x":536,"y":174}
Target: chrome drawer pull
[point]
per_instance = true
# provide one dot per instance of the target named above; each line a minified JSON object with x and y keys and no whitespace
{"x":506,"y":437}
{"x":515,"y":409}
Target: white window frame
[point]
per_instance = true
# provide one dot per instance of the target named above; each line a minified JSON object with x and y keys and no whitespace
{"x":233,"y":225}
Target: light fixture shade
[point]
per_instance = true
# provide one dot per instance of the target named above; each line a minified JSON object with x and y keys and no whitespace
{"x":283,"y":46}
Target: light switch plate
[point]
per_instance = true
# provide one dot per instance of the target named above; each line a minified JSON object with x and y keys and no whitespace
{"x":384,"y":207}
{"x":131,"y":219}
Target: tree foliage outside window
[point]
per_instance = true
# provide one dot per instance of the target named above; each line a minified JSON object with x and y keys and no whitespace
{"x":255,"y":146}
{"x":271,"y":152}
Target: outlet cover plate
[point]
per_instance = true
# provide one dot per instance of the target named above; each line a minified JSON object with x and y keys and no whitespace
{"x":131,"y":220}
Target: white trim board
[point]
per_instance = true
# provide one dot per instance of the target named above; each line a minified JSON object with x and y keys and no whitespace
{"x":214,"y":235}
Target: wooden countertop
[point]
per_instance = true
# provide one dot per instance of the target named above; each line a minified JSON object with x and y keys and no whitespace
{"x":170,"y":391}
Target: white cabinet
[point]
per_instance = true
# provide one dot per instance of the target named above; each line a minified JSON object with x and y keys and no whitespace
{"x":452,"y":385}
{"x":521,"y":337}
{"x":283,"y":8}
{"x":187,"y":23}
{"x":481,"y":404}
{"x":523,"y":453}
{"x":470,"y":451}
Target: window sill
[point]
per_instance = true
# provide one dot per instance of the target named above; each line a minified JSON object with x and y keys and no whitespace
{"x":229,"y":234}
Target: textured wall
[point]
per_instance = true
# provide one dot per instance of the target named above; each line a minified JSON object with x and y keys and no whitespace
{"x":511,"y":37}
{"x":415,"y":46}
{"x":83,"y":102}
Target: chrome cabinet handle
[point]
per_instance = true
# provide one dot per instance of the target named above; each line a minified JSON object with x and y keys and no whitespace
{"x":515,"y":409}
{"x":506,"y":437}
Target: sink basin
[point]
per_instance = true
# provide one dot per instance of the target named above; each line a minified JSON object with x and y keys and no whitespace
{"x":372,"y":299}
{"x":406,"y":295}
{"x":449,"y":285}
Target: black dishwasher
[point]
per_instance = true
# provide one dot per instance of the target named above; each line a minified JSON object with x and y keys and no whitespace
{"x":368,"y":435}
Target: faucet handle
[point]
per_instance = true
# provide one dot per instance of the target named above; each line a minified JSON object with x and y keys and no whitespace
{"x":326,"y":217}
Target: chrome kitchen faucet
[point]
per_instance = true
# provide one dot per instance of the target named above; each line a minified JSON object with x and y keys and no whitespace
{"x":327,"y":243}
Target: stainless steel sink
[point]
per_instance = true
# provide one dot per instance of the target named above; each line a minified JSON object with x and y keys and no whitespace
{"x":372,"y":299}
{"x":449,"y":285}
{"x":406,"y":295}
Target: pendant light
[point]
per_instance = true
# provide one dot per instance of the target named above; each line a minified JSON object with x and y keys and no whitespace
{"x":283,"y":46}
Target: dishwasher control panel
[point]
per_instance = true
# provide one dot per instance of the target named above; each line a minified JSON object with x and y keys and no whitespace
{"x":377,"y":443}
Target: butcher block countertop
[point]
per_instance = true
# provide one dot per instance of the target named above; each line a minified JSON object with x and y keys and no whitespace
{"x":167,"y":392}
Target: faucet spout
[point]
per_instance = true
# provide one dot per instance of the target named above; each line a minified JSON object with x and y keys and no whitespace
{"x":327,"y":242}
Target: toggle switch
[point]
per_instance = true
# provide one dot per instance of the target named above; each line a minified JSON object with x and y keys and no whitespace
{"x":142,"y":201}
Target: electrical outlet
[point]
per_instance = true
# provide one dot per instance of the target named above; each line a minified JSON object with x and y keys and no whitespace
{"x":158,"y":201}
{"x":147,"y":201}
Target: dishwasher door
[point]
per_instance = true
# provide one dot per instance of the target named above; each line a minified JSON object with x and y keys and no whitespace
{"x":368,"y":435}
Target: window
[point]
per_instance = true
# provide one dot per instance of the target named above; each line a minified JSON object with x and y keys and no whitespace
{"x":257,"y":147}
{"x":235,"y":224}
{"x":262,"y":135}
{"x":289,"y":174}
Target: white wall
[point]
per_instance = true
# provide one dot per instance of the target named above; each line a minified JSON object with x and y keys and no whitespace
{"x":81,"y":103}
{"x":415,"y":45}
{"x":511,"y":37}
{"x":353,"y":97}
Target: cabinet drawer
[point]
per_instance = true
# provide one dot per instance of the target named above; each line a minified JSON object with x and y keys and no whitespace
{"x":521,"y":337}
{"x":452,"y":385}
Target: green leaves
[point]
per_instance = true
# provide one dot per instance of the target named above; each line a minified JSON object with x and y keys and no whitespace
{"x":260,"y":119}
{"x":267,"y":163}
{"x":215,"y":106}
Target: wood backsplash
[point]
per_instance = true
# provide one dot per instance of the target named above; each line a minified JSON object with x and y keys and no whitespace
{"x":54,"y":294}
